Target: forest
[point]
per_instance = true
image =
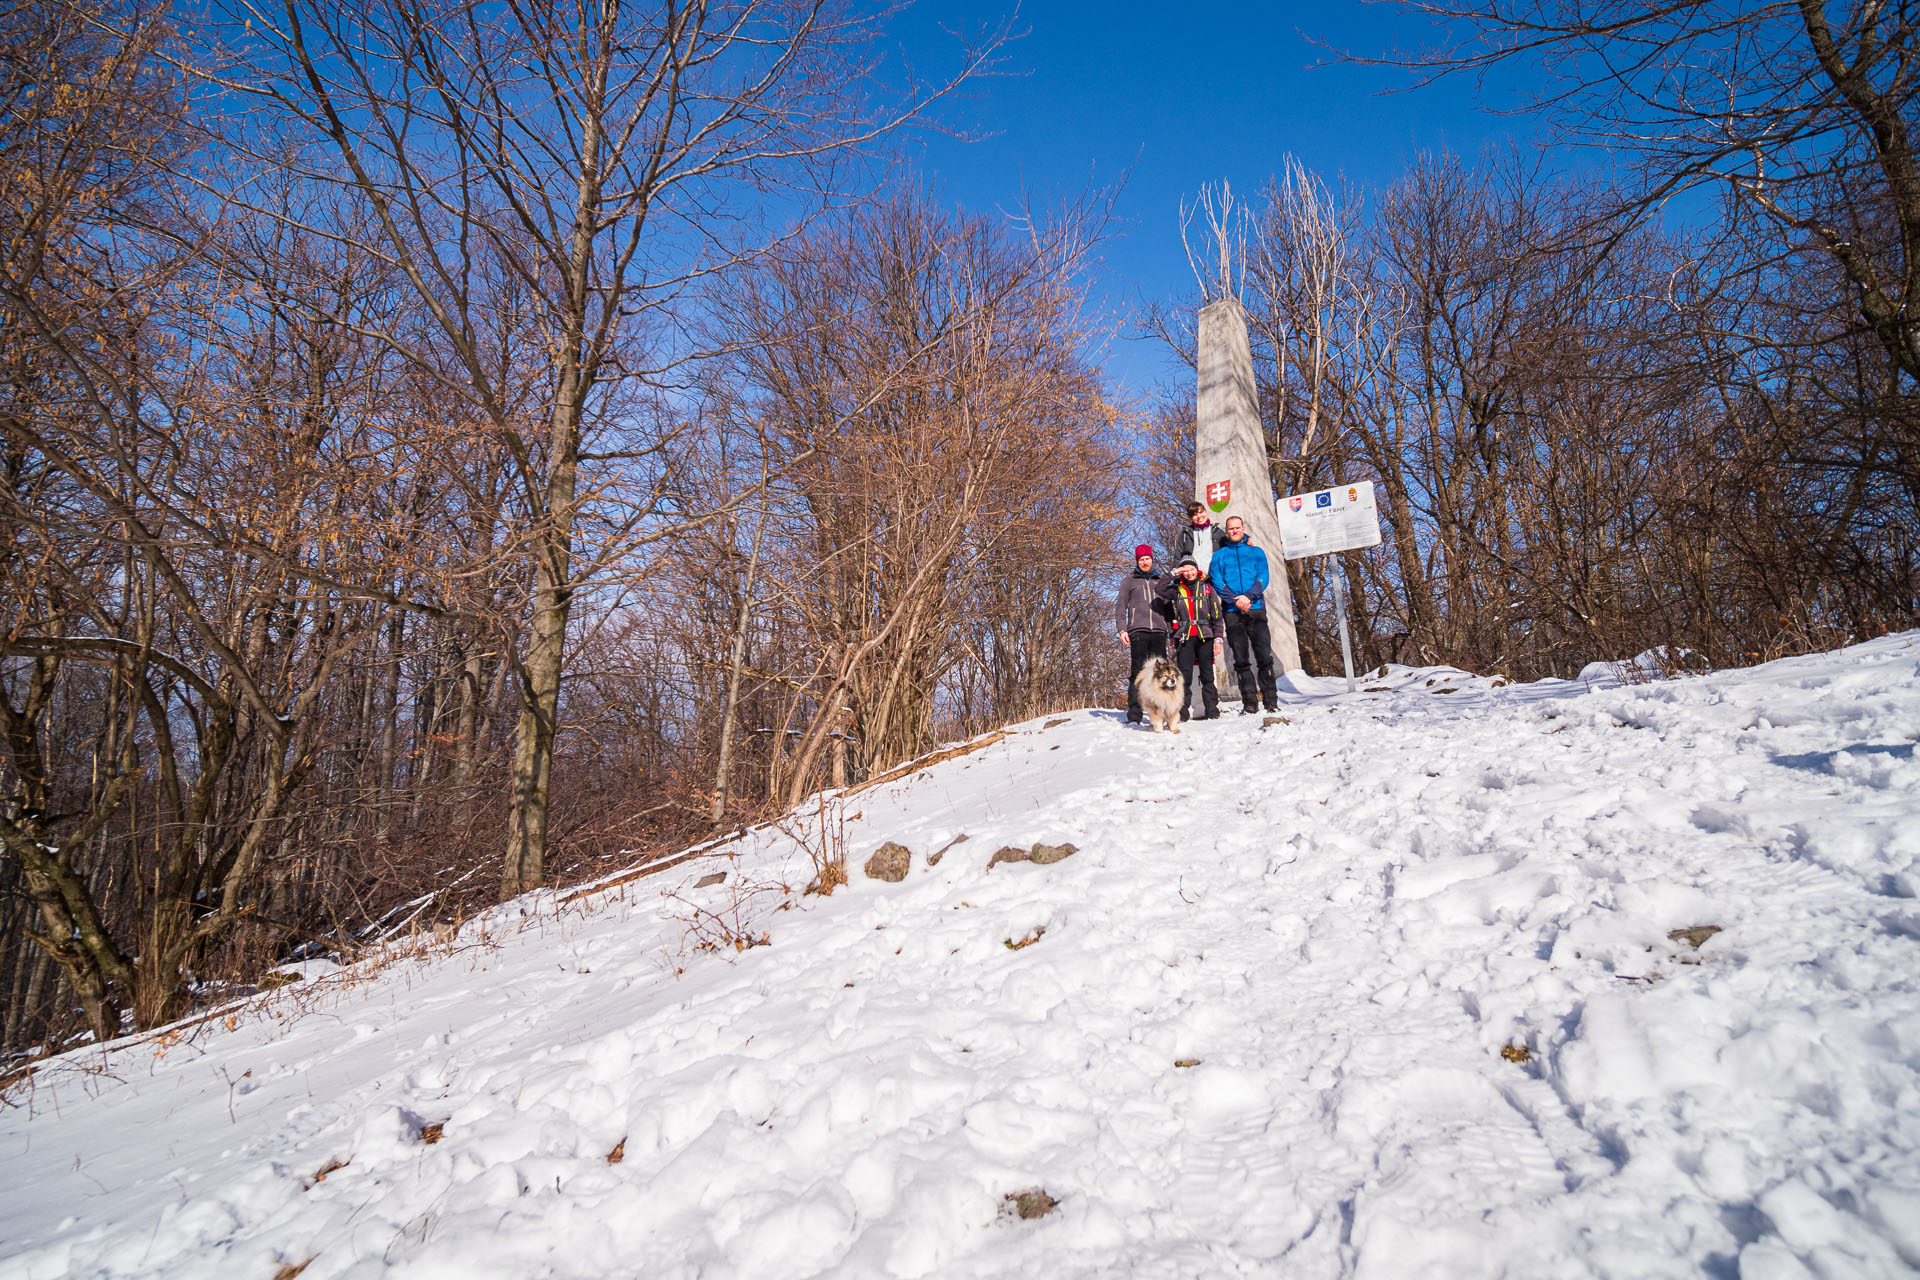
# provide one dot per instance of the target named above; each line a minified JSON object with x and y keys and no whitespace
{"x":455,"y":447}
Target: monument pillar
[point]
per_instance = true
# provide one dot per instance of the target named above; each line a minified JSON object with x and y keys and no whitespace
{"x":1230,"y":450}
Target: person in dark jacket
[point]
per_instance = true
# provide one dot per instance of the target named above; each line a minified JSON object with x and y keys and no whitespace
{"x":1141,"y":619}
{"x":1240,"y":576}
{"x":1200,"y":539}
{"x":1194,"y":607}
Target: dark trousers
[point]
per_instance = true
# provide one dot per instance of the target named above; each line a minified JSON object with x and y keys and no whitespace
{"x":1191,"y":652}
{"x":1146,"y":646}
{"x":1247,"y":640}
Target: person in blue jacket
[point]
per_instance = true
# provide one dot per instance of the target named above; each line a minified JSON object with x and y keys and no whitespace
{"x":1239,"y":573}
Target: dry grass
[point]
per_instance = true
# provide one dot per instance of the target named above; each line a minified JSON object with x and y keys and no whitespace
{"x":1662,"y":662}
{"x":331,"y":1166}
{"x":1028,"y":1204}
{"x":1694,"y":937}
{"x":824,"y":838}
{"x":832,"y":876}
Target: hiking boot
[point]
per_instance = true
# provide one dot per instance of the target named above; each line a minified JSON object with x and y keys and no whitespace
{"x":1250,"y":709}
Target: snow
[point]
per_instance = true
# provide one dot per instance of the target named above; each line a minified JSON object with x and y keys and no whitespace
{"x":1338,"y":923}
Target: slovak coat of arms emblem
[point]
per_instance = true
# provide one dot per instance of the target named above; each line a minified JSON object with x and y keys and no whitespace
{"x":1219,"y":494}
{"x":1293,"y":504}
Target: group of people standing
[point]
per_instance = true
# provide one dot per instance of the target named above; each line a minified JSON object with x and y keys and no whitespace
{"x":1217,"y":592}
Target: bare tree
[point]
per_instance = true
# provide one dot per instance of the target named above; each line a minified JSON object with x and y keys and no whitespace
{"x":1798,"y":112}
{"x":1590,"y":438}
{"x":1219,"y":264}
{"x":1302,"y":267}
{"x":910,"y":488}
{"x":591,"y":153}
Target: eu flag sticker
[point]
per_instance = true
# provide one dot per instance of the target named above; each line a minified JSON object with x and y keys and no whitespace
{"x":1323,"y":499}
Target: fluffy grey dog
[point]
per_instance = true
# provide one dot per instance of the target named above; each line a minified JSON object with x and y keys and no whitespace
{"x":1162,"y":693}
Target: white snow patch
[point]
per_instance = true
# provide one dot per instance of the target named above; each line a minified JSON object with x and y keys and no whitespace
{"x":1399,"y":988}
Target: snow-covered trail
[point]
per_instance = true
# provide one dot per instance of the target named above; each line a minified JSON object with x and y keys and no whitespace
{"x":1339,"y":921}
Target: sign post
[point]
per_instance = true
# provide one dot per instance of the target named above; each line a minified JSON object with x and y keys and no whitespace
{"x":1340,"y":611}
{"x":1326,"y":522}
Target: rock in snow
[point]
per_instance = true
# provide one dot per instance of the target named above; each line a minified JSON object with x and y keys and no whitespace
{"x":890,"y":862}
{"x":1410,"y":986}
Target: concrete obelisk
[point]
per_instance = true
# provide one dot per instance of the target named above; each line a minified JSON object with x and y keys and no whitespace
{"x":1230,"y":474}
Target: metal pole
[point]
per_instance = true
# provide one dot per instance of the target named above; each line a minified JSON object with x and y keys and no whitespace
{"x":1340,"y":610}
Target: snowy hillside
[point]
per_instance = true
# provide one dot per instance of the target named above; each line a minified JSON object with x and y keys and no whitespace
{"x":1422,"y":981}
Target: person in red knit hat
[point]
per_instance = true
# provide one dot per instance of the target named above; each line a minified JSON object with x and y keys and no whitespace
{"x":1141,"y":618}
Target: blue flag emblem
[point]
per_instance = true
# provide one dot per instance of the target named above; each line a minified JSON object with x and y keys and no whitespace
{"x":1323,"y":499}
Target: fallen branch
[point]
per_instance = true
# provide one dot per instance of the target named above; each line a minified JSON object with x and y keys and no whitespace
{"x":927,"y":761}
{"x":627,"y":877}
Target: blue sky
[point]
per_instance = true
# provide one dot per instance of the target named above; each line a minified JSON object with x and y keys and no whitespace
{"x":1171,"y":96}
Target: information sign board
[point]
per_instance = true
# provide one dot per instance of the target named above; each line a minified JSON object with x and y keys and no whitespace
{"x":1343,"y":518}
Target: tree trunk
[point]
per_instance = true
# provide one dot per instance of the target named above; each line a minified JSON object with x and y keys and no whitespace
{"x":725,"y":767}
{"x":387,"y":755}
{"x":526,"y":862}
